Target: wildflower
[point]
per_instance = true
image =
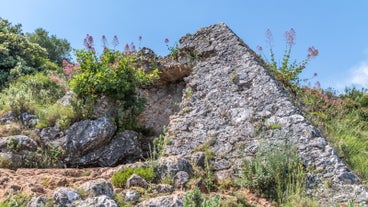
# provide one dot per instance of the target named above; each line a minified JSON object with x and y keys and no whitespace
{"x":315,"y":74}
{"x":312,"y":52}
{"x":259,"y":48}
{"x":88,"y":43}
{"x":189,"y":85}
{"x":269,"y":37}
{"x":140,"y":38}
{"x":115,"y":41}
{"x":104,"y":41}
{"x":166,"y":40}
{"x":126,"y":48}
{"x":132,"y":46}
{"x":290,"y":36}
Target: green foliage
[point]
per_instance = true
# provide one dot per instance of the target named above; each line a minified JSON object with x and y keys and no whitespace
{"x":158,"y":145}
{"x":57,"y":114}
{"x":113,"y":74}
{"x":19,"y":56}
{"x":277,"y":174}
{"x":287,"y":72}
{"x":57,"y":49}
{"x":16,"y":200}
{"x":343,"y":120}
{"x":195,"y":199}
{"x":29,"y":93}
{"x":119,"y":178}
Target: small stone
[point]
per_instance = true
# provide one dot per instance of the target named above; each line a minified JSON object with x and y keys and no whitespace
{"x":38,"y":202}
{"x":164,"y":188}
{"x":64,"y":196}
{"x":97,"y":187}
{"x":180,"y":179}
{"x":136,"y":180}
{"x":132,"y":195}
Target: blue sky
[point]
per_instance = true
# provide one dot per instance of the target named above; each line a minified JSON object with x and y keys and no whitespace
{"x":337,"y":28}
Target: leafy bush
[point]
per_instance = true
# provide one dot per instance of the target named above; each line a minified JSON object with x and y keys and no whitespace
{"x":277,"y":174}
{"x":119,"y":178}
{"x":30,"y":92}
{"x":57,"y":114}
{"x":113,"y":74}
{"x":195,"y":199}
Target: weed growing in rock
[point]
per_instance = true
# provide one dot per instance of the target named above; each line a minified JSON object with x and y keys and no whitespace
{"x":287,"y":72}
{"x":16,"y":200}
{"x":195,"y":199}
{"x":119,"y":178}
{"x":174,"y":50}
{"x":278,"y":175}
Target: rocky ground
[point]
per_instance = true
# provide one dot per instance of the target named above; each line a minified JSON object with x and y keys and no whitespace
{"x":44,"y":182}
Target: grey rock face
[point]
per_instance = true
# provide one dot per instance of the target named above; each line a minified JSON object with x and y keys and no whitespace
{"x":123,"y":148}
{"x":88,"y":135}
{"x":28,"y":119}
{"x":17,"y":143}
{"x":132,"y":195}
{"x":8,"y":117}
{"x":174,"y":164}
{"x":14,"y":150}
{"x":164,"y":188}
{"x":97,"y":187}
{"x":161,"y":103}
{"x":38,"y":202}
{"x":65,"y":196}
{"x":99,"y":201}
{"x":228,"y":105}
{"x":180,"y":179}
{"x":164,"y":201}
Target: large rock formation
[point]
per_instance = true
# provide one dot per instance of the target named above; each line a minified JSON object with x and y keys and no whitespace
{"x":229,"y":104}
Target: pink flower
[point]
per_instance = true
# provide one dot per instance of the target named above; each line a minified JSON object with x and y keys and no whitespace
{"x":126,"y":48}
{"x":89,"y":43}
{"x":269,"y":36}
{"x":290,"y":36}
{"x":312,"y":52}
{"x":104,"y":41}
{"x":115,"y":41}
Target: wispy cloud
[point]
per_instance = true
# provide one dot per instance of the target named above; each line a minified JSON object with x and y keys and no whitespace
{"x":359,"y":74}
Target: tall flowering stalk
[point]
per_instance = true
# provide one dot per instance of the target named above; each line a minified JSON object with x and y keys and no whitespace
{"x":287,"y":72}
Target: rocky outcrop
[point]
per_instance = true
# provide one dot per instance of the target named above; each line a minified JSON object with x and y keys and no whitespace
{"x":229,"y":104}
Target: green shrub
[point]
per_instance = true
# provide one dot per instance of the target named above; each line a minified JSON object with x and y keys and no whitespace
{"x":195,"y":199}
{"x":277,"y":174}
{"x":30,"y":92}
{"x":16,"y":200}
{"x":119,"y":178}
{"x":113,"y":74}
{"x":57,"y":114}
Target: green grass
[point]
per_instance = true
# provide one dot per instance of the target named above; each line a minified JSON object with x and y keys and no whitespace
{"x":119,"y":178}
